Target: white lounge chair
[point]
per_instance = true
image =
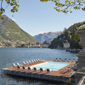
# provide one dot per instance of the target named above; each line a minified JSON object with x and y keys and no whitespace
{"x":59,"y":59}
{"x":35,"y":68}
{"x":14,"y":65}
{"x":27,"y":62}
{"x":48,"y":70}
{"x":65,"y":71}
{"x":74,"y":60}
{"x":18,"y":67}
{"x":65,"y":59}
{"x":56,"y":58}
{"x":69,"y":60}
{"x":38,"y":60}
{"x":24,"y":62}
{"x":32,"y":61}
{"x":23,"y":67}
{"x":29,"y":68}
{"x":41,"y":69}
{"x":18,"y":64}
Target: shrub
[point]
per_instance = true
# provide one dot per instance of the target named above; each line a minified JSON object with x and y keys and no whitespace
{"x":81,"y":27}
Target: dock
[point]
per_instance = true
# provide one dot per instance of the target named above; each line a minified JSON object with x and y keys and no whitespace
{"x":73,"y":50}
{"x":24,"y":70}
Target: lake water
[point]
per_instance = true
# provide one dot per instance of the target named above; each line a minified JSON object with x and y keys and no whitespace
{"x":11,"y":55}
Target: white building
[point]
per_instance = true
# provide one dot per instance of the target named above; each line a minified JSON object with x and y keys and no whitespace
{"x":66,"y":45}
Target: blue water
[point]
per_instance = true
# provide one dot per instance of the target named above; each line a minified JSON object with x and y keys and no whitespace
{"x":53,"y":66}
{"x":11,"y":55}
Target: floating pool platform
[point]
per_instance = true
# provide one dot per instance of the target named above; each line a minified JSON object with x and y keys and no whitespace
{"x":53,"y":70}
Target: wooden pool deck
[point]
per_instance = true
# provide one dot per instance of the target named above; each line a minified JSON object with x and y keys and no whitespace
{"x":65,"y":72}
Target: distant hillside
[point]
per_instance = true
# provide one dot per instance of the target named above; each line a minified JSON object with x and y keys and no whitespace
{"x":12,"y":34}
{"x":49,"y":36}
{"x":69,"y":35}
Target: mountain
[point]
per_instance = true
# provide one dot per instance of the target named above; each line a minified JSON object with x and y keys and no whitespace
{"x":12,"y":34}
{"x":48,"y":36}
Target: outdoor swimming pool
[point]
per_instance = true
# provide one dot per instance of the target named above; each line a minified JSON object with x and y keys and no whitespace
{"x":51,"y":65}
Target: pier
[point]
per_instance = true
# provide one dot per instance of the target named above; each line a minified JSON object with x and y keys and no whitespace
{"x":73,"y":50}
{"x":25,"y":70}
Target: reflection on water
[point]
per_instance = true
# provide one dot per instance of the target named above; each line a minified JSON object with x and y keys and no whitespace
{"x":11,"y":55}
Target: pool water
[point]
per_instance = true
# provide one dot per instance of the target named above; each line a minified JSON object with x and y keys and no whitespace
{"x":51,"y":65}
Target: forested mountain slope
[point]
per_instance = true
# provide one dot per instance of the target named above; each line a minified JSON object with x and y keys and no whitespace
{"x":69,"y":35}
{"x":11,"y":33}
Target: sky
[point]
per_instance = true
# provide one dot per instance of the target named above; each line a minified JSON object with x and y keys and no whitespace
{"x":36,"y":17}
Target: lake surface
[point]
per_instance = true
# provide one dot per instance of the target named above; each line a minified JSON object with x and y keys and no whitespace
{"x":11,"y":55}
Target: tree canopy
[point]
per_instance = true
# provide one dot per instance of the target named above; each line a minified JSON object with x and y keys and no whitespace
{"x":66,"y":6}
{"x":69,"y":35}
{"x":12,"y":3}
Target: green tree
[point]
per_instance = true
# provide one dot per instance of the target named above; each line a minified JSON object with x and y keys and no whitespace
{"x":12,"y":3}
{"x":7,"y":44}
{"x":74,"y":41}
{"x":23,"y":45}
{"x":69,"y":35}
{"x":66,"y":6}
{"x":75,"y":37}
{"x":37,"y":43}
{"x":62,"y":38}
{"x":45,"y":42}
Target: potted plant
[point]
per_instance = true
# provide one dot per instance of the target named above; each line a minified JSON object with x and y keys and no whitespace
{"x":81,"y":27}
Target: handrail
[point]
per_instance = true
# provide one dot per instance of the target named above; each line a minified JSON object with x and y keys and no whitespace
{"x":82,"y":80}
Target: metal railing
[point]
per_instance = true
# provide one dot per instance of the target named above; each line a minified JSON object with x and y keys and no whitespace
{"x":82,"y":81}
